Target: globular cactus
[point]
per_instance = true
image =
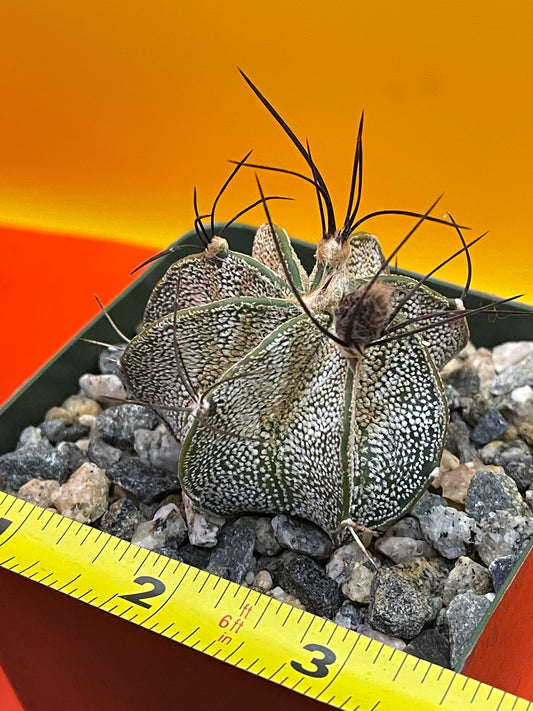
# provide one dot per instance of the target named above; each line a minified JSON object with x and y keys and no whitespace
{"x":316,"y":395}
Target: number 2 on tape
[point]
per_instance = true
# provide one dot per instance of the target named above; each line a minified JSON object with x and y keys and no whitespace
{"x":320,"y":664}
{"x":137,"y":598}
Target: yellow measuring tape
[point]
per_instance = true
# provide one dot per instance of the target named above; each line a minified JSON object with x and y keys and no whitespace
{"x":237,"y":625}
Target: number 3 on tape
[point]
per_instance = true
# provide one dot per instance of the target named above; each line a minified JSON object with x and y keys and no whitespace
{"x":320,"y":664}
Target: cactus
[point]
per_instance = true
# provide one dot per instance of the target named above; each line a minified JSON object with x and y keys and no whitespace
{"x":315,"y":395}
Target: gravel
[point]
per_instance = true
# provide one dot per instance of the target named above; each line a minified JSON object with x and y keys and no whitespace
{"x":433,"y":573}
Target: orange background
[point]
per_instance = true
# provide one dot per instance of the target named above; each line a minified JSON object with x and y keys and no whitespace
{"x":110,"y":113}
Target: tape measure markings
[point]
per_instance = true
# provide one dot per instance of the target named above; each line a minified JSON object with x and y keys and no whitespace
{"x":209,"y":613}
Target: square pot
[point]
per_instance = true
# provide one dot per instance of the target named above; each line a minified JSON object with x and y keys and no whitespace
{"x":56,"y":644}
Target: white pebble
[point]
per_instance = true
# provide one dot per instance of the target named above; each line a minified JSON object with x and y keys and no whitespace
{"x":101,"y":387}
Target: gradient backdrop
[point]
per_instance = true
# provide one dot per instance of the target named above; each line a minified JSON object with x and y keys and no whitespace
{"x":110,"y":113}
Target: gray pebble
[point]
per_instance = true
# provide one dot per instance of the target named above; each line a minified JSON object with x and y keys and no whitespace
{"x":431,"y":645}
{"x":466,"y":575}
{"x":169,"y":549}
{"x":397,"y":607}
{"x":509,"y":354}
{"x":425,"y":503}
{"x":72,"y":455}
{"x":118,"y":423}
{"x":157,"y":447}
{"x":500,"y":534}
{"x":231,"y":557}
{"x":266,"y":542}
{"x":146,"y":483}
{"x":448,"y":530}
{"x":56,"y":430}
{"x":194,"y":555}
{"x":463,"y":615}
{"x":458,"y":440}
{"x":167,"y":528}
{"x":492,"y":424}
{"x":518,"y":405}
{"x":515,"y":457}
{"x":306,"y":580}
{"x":492,"y":491}
{"x":452,"y":396}
{"x":521,"y":473}
{"x":464,"y":380}
{"x":203,"y":526}
{"x":302,"y":537}
{"x":102,"y":387}
{"x":349,"y":616}
{"x":342,"y":562}
{"x":473,"y":409}
{"x":36,"y":462}
{"x":404,"y":540}
{"x":357,"y":587}
{"x":511,"y":378}
{"x":102,"y":453}
{"x":31,"y":437}
{"x":500,"y":568}
{"x":121,"y":519}
{"x":108,"y":360}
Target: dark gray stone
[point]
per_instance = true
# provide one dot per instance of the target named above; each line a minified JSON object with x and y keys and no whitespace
{"x":515,"y":457}
{"x":231,"y":557}
{"x":306,"y":580}
{"x":194,"y":555}
{"x":492,"y":491}
{"x":121,"y":519}
{"x":117,"y":424}
{"x":427,"y":502}
{"x":302,"y":537}
{"x":75,"y":432}
{"x":505,"y":453}
{"x":458,"y":440}
{"x":17,"y":468}
{"x":463,"y":615}
{"x":55,"y":430}
{"x":465,"y":380}
{"x":108,"y":360}
{"x":349,"y":616}
{"x":452,"y":396}
{"x":432,"y":646}
{"x":397,"y":607}
{"x":169,"y":550}
{"x":104,"y":455}
{"x":473,"y":408}
{"x":265,"y":539}
{"x":492,"y":424}
{"x":72,"y":455}
{"x":521,"y":473}
{"x":500,"y":568}
{"x":147,"y":484}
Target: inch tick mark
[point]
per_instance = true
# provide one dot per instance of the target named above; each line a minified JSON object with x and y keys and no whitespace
{"x":5,"y":523}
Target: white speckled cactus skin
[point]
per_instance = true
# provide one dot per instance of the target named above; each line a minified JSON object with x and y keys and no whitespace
{"x":273,"y":415}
